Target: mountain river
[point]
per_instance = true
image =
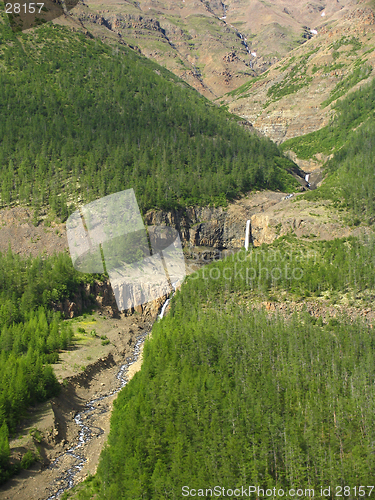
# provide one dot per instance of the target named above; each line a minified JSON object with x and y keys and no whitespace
{"x":72,"y":461}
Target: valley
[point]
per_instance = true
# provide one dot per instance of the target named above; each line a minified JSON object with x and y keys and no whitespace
{"x":88,"y":371}
{"x":295,"y":97}
{"x":239,"y":124}
{"x":288,"y":91}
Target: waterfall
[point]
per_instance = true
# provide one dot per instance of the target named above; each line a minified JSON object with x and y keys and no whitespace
{"x":165,"y":305}
{"x":247,"y":235}
{"x":164,"y":308}
{"x":307,"y":177}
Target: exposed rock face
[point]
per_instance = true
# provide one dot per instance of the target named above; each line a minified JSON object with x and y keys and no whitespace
{"x":117,"y":22}
{"x":210,"y":44}
{"x":211,"y":232}
{"x":28,"y":235}
{"x":100,"y":294}
{"x":218,"y":46}
{"x":216,"y":228}
{"x":301,"y":218}
{"x":321,"y":308}
{"x":286,"y":101}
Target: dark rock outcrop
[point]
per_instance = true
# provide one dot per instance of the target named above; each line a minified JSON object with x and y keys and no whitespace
{"x":205,"y":232}
{"x":100,"y":295}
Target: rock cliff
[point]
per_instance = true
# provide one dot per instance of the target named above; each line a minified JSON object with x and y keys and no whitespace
{"x":100,"y":295}
{"x":209,"y":233}
{"x":207,"y":227}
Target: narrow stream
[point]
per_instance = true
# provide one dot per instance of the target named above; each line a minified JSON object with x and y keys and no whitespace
{"x":240,"y":35}
{"x":75,"y":456}
{"x":244,"y":42}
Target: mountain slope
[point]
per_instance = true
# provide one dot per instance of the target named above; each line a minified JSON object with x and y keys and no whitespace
{"x":81,"y":120}
{"x":348,"y":141}
{"x":229,"y":395}
{"x":209,"y":43}
{"x":296,"y":96}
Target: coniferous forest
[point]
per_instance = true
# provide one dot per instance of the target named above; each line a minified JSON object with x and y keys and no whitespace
{"x":31,"y":335}
{"x":81,"y":120}
{"x":230,"y":395}
{"x":350,"y":137}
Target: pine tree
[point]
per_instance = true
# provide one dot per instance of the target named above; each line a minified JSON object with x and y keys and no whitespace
{"x":4,"y":446}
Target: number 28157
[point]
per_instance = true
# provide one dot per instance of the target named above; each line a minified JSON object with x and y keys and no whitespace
{"x":26,"y":8}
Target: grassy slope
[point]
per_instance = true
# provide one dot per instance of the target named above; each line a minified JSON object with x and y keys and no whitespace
{"x":299,"y":92}
{"x":350,"y":113}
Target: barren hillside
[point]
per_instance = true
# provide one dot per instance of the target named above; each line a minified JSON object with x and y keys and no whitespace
{"x":214,"y":46}
{"x":296,"y":95}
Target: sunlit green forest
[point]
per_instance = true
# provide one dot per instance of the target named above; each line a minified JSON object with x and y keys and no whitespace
{"x":80,"y":120}
{"x":351,"y":137}
{"x":230,"y":395}
{"x":31,"y":335}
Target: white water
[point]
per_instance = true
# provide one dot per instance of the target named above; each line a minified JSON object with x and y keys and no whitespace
{"x":224,"y":10}
{"x":244,"y":42}
{"x":165,"y":305}
{"x":242,"y":37}
{"x":307,"y":177}
{"x":247,"y":235}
